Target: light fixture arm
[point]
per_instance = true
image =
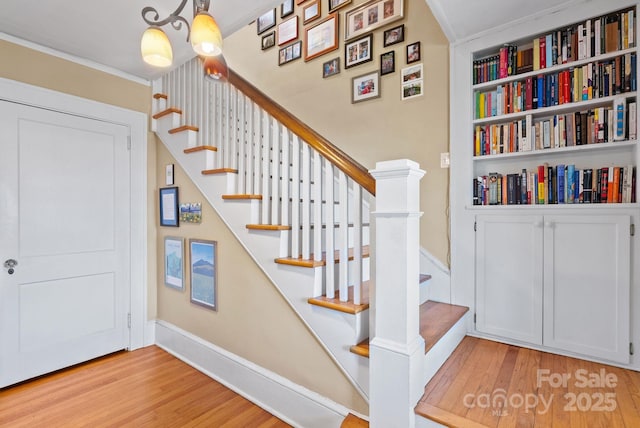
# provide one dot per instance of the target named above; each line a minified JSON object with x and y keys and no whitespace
{"x":174,"y":18}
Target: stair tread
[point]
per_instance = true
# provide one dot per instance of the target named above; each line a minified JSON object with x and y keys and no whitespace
{"x":241,"y":196}
{"x":310,"y":262}
{"x":200,"y":149}
{"x":352,"y":421}
{"x":184,"y":128}
{"x":436,"y":319}
{"x":347,"y":307}
{"x":445,"y":417}
{"x":268,"y":227}
{"x":220,"y":171}
{"x":167,"y":112}
{"x":158,"y":96}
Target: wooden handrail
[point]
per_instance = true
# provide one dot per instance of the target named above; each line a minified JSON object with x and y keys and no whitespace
{"x":343,"y":161}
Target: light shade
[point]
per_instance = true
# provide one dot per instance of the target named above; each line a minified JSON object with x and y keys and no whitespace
{"x":205,"y":36}
{"x":156,"y":48}
{"x":215,"y":68}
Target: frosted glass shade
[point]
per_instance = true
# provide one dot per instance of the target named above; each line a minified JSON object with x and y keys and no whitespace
{"x":205,"y":36}
{"x":215,"y":68}
{"x":156,"y":48}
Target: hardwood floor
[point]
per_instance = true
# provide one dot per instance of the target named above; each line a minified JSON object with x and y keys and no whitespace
{"x":489,"y":384}
{"x":144,"y":388}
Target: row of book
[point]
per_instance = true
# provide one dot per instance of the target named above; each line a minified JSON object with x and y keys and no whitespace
{"x":590,"y":81}
{"x":560,"y":184}
{"x":597,"y":125}
{"x":580,"y":41}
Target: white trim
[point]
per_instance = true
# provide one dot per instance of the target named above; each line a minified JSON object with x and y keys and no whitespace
{"x":293,"y":403}
{"x":74,"y":59}
{"x":438,"y":288}
{"x":441,"y":17}
{"x":137,"y":123}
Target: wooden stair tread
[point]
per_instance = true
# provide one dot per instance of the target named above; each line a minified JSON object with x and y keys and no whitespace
{"x":424,"y":277}
{"x":268,"y":227}
{"x":232,"y":197}
{"x":184,"y":128}
{"x":436,"y":319}
{"x":159,"y":96}
{"x":445,"y":418}
{"x":347,"y":307}
{"x":200,"y":149}
{"x":220,"y":171}
{"x":167,"y":112}
{"x":310,"y":262}
{"x":352,"y":421}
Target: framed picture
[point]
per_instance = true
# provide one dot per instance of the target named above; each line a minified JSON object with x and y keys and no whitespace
{"x":387,"y":63}
{"x":412,"y":89}
{"x":331,"y":67}
{"x":411,"y":73}
{"x":169,"y":206}
{"x":269,"y":40}
{"x":286,"y":8}
{"x":204,"y":267}
{"x":288,"y":30}
{"x":311,"y":12}
{"x":358,"y":51}
{"x":191,"y":212}
{"x":174,"y":262}
{"x":266,"y":20}
{"x":289,"y":53}
{"x":365,"y":87}
{"x":168,"y":174}
{"x":337,"y":4}
{"x":393,"y":35}
{"x":321,"y":38}
{"x":413,"y":52}
{"x":371,"y":15}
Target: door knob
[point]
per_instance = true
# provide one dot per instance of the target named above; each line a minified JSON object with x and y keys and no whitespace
{"x":9,"y":264}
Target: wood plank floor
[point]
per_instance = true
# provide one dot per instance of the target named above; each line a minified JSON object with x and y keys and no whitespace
{"x":489,"y":384}
{"x":144,"y":388}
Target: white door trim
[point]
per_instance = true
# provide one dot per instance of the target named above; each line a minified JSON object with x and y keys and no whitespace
{"x":35,"y":96}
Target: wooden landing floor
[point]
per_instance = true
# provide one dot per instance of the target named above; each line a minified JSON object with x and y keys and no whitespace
{"x":144,"y":388}
{"x":489,"y":384}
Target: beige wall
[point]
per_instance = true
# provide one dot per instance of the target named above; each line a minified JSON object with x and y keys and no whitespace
{"x":375,"y":130}
{"x":253,"y":320}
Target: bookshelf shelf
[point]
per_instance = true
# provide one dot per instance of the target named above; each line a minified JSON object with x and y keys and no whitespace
{"x":486,"y":209}
{"x":616,"y":145}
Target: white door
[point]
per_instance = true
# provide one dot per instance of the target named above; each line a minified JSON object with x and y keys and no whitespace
{"x":64,"y":218}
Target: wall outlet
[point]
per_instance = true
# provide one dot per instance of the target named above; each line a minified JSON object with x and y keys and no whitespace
{"x":444,"y":160}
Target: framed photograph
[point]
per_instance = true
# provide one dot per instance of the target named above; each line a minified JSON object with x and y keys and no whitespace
{"x":289,"y":53}
{"x":266,"y":20}
{"x":269,"y":40}
{"x":337,"y":4}
{"x":311,"y":12}
{"x":321,"y":38}
{"x":413,"y":72}
{"x":358,"y":51}
{"x":286,"y":8}
{"x":288,"y":30}
{"x":169,"y":206}
{"x":412,"y":89}
{"x":174,"y":262}
{"x":203,"y":269}
{"x":387,"y":63}
{"x":413,"y":52}
{"x":331,"y":67}
{"x":365,"y":87}
{"x":371,"y":15}
{"x":168,"y":175}
{"x":191,"y":212}
{"x":393,"y":35}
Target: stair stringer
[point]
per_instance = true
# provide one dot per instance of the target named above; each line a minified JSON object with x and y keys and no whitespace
{"x":335,"y":331}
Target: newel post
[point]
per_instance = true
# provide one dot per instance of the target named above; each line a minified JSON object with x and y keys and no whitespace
{"x":397,"y":349}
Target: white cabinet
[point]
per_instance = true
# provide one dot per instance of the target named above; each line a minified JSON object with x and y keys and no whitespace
{"x":560,"y":281}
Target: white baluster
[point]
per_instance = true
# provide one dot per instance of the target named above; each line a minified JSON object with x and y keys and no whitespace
{"x":257,"y":147}
{"x":275,"y":171}
{"x":329,"y":246}
{"x":317,"y":208}
{"x":306,"y":202}
{"x":357,"y":243}
{"x":241,"y":137}
{"x":266,"y":173}
{"x":295,"y":196}
{"x":285,"y":173}
{"x":219,"y":122}
{"x":249,"y":147}
{"x":343,"y":233}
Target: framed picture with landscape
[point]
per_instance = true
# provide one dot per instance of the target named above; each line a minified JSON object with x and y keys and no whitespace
{"x":204,"y":268}
{"x":174,"y":262}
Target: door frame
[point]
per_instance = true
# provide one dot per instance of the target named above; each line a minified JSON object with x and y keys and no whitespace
{"x":141,"y":332}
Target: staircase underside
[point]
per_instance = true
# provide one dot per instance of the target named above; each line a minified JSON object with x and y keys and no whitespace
{"x":466,"y":391}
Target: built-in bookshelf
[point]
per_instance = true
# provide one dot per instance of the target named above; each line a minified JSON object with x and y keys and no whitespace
{"x":555,"y":116}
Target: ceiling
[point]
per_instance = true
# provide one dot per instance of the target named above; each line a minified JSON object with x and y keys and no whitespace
{"x":108,"y":33}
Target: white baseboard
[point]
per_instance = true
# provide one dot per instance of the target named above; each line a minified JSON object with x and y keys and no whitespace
{"x":438,"y":288}
{"x":293,"y":403}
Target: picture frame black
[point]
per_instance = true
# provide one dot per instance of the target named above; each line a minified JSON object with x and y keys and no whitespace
{"x":393,"y":35}
{"x":331,"y":67}
{"x":387,"y":63}
{"x":358,"y":51}
{"x":266,"y":21}
{"x":169,"y":206}
{"x":268,"y":40}
{"x":286,"y":8}
{"x":413,"y":52}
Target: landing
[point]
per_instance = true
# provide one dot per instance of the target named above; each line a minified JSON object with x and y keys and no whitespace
{"x":490,"y":384}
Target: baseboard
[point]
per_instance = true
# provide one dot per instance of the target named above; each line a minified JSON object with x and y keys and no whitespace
{"x":438,"y":288}
{"x":293,"y":403}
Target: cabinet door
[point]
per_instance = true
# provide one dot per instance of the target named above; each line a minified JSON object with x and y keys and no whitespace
{"x":586,"y":285}
{"x":509,"y":276}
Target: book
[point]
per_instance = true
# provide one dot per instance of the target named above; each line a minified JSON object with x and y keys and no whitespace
{"x":587,"y":182}
{"x":571,"y":183}
{"x":560,"y":183}
{"x":619,"y":107}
